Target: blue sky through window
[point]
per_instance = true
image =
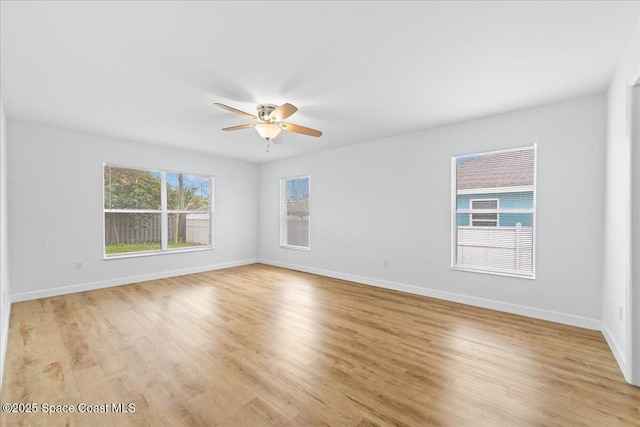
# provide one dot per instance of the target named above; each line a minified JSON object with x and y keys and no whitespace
{"x":201,"y":184}
{"x":467,"y":158}
{"x":298,"y":189}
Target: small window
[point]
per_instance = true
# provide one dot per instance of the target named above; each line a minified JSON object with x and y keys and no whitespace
{"x":484,"y":219}
{"x":294,"y":212}
{"x":493,"y":212}
{"x":153,"y":211}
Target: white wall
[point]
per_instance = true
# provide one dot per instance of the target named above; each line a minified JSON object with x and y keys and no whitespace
{"x":5,"y":304}
{"x":55,"y":189}
{"x":633,"y":302}
{"x":617,"y":201}
{"x":390,"y":199}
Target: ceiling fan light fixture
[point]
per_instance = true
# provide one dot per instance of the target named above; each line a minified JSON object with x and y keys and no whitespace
{"x":267,"y":130}
{"x":271,"y":121}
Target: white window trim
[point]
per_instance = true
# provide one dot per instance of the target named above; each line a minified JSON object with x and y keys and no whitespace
{"x":455,"y":211}
{"x":497,"y":190}
{"x":164,"y":212}
{"x":283,"y":216}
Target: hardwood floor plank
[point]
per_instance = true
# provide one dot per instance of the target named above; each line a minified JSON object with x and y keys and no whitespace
{"x":260,"y":346}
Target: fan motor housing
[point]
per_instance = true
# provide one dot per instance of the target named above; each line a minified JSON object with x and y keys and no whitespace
{"x":264,"y":110}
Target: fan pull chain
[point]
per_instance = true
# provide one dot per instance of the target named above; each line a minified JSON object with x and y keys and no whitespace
{"x":267,"y":146}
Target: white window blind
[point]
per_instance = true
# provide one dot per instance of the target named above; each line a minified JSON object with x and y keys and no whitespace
{"x":493,"y":212}
{"x":294,"y":212}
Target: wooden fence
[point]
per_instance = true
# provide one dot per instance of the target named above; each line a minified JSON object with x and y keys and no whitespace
{"x":509,"y":248}
{"x":130,"y":228}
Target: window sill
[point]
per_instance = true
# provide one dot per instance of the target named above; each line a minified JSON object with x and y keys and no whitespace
{"x":159,"y":252}
{"x":295,"y":248}
{"x":530,"y":276}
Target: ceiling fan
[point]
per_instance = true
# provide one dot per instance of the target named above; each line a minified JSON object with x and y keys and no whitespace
{"x":270,"y":121}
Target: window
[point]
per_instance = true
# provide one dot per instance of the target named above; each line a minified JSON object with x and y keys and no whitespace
{"x":484,"y":219}
{"x":294,"y":212}
{"x":153,"y":211}
{"x":493,"y":205}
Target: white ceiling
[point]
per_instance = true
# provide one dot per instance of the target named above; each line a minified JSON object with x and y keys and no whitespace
{"x":358,"y":71}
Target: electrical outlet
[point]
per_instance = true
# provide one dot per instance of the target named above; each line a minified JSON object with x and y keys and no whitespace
{"x":385,"y":263}
{"x":620,"y":312}
{"x":78,"y":265}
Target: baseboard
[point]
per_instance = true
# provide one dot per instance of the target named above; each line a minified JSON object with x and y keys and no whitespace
{"x":4,"y":337}
{"x":52,"y":292}
{"x":537,"y":313}
{"x":615,"y":349}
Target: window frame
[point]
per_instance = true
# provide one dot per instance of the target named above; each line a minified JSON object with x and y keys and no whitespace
{"x":533,"y":210}
{"x":163,"y":212}
{"x":283,"y":214}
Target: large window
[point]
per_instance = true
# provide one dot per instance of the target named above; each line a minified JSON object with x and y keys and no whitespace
{"x":494,"y":206}
{"x":294,"y":212}
{"x":152,"y":211}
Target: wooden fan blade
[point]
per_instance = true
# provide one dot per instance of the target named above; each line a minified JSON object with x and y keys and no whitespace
{"x":300,"y":129}
{"x":282,"y":112}
{"x":247,"y":126}
{"x":235,"y":110}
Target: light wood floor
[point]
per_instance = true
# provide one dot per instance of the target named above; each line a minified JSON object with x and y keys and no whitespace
{"x":260,"y":346}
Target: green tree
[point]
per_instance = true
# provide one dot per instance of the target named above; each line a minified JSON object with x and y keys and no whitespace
{"x":126,"y":188}
{"x":131,"y":188}
{"x":185,"y":193}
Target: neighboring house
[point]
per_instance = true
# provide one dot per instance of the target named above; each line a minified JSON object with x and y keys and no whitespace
{"x":495,"y":210}
{"x":502,"y":181}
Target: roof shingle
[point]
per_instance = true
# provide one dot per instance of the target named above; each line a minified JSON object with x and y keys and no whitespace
{"x":495,"y":170}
